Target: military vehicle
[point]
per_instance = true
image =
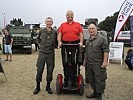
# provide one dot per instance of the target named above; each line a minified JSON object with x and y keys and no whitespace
{"x":22,"y":36}
{"x":85,"y":26}
{"x":91,"y":20}
{"x":102,"y":32}
{"x":35,"y":28}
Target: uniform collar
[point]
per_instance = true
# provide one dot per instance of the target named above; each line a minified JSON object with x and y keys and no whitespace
{"x":96,"y":36}
{"x":45,"y":29}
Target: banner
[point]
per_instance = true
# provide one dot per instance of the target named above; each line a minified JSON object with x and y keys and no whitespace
{"x":124,"y":13}
{"x":131,"y":29}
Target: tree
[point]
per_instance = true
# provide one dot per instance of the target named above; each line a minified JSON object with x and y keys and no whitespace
{"x":110,"y":22}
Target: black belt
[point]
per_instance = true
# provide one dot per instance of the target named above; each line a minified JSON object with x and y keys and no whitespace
{"x":73,"y":42}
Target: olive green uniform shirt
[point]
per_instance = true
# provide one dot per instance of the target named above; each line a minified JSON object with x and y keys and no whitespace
{"x":47,"y":40}
{"x":95,"y":49}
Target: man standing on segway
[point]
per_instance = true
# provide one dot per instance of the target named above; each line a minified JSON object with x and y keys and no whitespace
{"x":69,"y":32}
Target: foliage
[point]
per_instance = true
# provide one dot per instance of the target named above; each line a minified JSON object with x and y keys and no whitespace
{"x":110,"y":22}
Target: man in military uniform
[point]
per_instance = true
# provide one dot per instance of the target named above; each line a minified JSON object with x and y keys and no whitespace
{"x":47,"y":41}
{"x":97,"y":59}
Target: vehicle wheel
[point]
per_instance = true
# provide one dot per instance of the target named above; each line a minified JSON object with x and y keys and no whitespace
{"x":29,"y":51}
{"x":59,"y":84}
{"x":80,"y":84}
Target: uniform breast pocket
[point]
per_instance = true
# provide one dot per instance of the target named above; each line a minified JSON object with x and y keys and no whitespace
{"x":42,"y":38}
{"x":96,"y":48}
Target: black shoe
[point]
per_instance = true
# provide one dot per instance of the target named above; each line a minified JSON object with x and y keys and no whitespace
{"x":93,"y":95}
{"x":99,"y":96}
{"x":48,"y":89}
{"x":6,"y":59}
{"x":36,"y":90}
{"x":85,"y":84}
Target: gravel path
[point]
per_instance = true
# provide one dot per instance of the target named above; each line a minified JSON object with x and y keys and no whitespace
{"x":21,"y":73}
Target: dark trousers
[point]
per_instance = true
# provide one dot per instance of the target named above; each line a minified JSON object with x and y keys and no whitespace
{"x":128,"y":62}
{"x":49,"y":59}
{"x":86,"y":74}
{"x":69,"y":61}
{"x":36,"y":46}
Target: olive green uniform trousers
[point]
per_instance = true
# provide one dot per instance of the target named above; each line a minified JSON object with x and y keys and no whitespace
{"x":97,"y":76}
{"x":49,"y":59}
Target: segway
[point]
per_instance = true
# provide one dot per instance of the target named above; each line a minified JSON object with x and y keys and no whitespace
{"x":79,"y":85}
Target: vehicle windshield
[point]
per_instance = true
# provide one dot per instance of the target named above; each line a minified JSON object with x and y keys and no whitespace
{"x":20,"y":32}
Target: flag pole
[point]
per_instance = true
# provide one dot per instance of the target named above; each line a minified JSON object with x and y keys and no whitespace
{"x":4,"y":17}
{"x":131,"y":29}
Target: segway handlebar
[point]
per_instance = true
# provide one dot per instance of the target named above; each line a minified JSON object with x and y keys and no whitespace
{"x":70,"y":44}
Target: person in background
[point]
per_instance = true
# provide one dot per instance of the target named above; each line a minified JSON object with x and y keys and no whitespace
{"x":69,"y":32}
{"x":36,"y":44}
{"x":97,"y":50}
{"x":129,"y":59}
{"x":8,"y":45}
{"x":47,"y":40}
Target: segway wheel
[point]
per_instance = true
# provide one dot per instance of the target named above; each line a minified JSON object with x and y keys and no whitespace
{"x":80,"y":84}
{"x":59,"y":84}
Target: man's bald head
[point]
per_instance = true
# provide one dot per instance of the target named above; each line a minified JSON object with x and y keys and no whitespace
{"x":92,"y":29}
{"x":92,"y":26}
{"x":69,"y":15}
{"x":69,"y":12}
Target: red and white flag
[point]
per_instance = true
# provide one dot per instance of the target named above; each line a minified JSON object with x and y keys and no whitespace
{"x":125,"y":11}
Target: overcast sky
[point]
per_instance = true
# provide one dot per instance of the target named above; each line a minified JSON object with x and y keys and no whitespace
{"x":35,"y":11}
